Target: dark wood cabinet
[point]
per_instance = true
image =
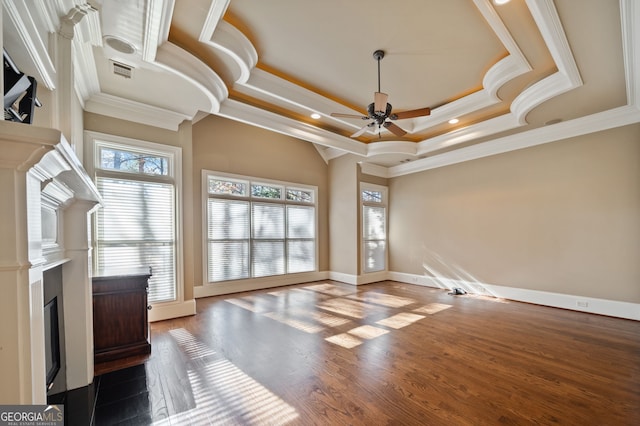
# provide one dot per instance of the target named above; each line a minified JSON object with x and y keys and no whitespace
{"x":120,"y":326}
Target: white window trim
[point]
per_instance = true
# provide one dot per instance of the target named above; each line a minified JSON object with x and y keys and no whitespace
{"x":95,"y":139}
{"x":365,"y":186}
{"x":206,"y":174}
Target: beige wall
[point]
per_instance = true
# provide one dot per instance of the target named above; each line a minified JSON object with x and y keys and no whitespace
{"x":343,"y":215}
{"x":562,"y":217}
{"x":225,"y":145}
{"x":182,"y":138}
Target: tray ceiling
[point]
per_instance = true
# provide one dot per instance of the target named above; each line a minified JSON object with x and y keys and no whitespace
{"x":527,"y":71}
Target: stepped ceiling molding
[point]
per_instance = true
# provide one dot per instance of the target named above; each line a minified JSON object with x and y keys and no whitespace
{"x":514,"y":75}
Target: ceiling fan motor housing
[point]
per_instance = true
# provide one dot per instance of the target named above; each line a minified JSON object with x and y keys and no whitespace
{"x":379,"y":116}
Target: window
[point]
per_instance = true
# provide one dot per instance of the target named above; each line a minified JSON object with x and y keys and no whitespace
{"x":374,"y":227}
{"x":137,"y":224}
{"x":258,"y":228}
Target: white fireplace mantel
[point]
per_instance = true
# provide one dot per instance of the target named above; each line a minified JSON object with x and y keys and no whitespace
{"x":41,"y":177}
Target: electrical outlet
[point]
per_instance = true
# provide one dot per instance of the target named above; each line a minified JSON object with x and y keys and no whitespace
{"x":582,"y":304}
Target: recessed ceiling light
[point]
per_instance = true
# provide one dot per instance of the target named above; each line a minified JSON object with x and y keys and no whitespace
{"x":315,"y":116}
{"x":499,"y":2}
{"x":454,"y":121}
{"x":119,"y":44}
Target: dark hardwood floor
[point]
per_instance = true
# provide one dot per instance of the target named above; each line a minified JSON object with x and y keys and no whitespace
{"x":327,"y":353}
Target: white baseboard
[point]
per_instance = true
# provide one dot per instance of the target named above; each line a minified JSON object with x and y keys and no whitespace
{"x":613,"y":308}
{"x":592,"y":305}
{"x":372,"y":277}
{"x":238,"y":286}
{"x":163,"y":311}
{"x":368,"y":278}
{"x":343,"y":278}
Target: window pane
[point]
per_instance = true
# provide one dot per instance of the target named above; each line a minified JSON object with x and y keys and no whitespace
{"x":372,"y":196}
{"x":374,"y":256}
{"x":268,"y":258}
{"x":268,"y":221}
{"x":136,"y":227}
{"x":228,"y":260}
{"x":301,"y":222}
{"x":135,"y":211}
{"x":275,"y":236}
{"x":160,"y":257}
{"x":133,"y":162}
{"x":266,"y":191}
{"x":228,"y":220}
{"x":301,"y":256}
{"x":228,"y":187}
{"x":300,"y":195}
{"x":374,"y":223}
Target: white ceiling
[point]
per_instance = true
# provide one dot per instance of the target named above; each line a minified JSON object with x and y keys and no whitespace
{"x":506,"y":72}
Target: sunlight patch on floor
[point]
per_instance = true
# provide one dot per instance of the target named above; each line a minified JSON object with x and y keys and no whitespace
{"x":400,"y":320}
{"x":384,"y":299}
{"x":367,"y":332}
{"x":224,"y":394}
{"x":331,"y":289}
{"x":320,"y":317}
{"x":432,"y":308}
{"x":249,"y":305}
{"x":345,"y":340}
{"x":350,"y":308}
{"x":329,"y":320}
{"x":192,"y":347}
{"x":305,"y":326}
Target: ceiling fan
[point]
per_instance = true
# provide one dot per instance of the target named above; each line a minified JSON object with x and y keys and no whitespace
{"x":379,"y":111}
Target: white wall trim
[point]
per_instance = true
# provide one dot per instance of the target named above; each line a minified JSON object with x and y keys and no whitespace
{"x":237,"y":286}
{"x":164,"y":311}
{"x":214,"y":16}
{"x":613,"y":308}
{"x":343,"y":278}
{"x":616,"y":117}
{"x":34,"y":46}
{"x":372,"y":277}
{"x":183,"y":64}
{"x":238,"y":111}
{"x":124,"y":109}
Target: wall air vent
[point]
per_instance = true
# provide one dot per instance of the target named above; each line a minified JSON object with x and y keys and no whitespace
{"x":122,"y":69}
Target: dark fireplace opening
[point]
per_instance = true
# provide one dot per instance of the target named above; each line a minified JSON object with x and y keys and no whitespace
{"x":54,"y":336}
{"x":51,"y":340}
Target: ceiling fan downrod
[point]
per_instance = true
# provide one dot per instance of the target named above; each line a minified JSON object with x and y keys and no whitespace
{"x":378,"y":55}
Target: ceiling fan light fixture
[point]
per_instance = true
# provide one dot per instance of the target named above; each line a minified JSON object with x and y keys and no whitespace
{"x":379,"y":111}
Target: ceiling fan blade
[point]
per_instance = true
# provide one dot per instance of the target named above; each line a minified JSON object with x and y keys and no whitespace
{"x":337,"y":114}
{"x":410,"y":114}
{"x":361,"y":131}
{"x":380,"y":101}
{"x":394,"y":129}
